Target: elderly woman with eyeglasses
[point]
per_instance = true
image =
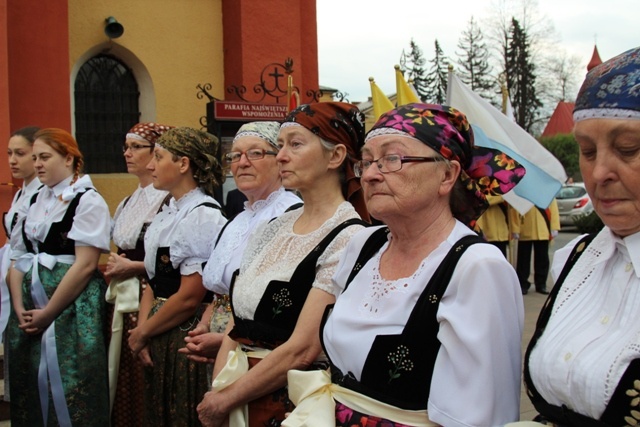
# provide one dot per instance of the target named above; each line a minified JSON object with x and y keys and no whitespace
{"x":126,"y":270}
{"x":284,"y":281}
{"x":254,"y":167}
{"x":428,"y":318}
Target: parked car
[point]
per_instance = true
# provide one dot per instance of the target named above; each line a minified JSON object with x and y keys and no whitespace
{"x":573,"y":201}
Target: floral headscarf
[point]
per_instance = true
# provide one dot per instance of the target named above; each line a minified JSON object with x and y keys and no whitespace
{"x":611,"y":90}
{"x":446,"y":130}
{"x":200,"y":147}
{"x":267,"y":131}
{"x":148,"y":132}
{"x":337,"y":123}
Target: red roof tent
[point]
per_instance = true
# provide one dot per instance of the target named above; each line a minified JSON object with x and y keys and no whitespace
{"x":561,"y":120}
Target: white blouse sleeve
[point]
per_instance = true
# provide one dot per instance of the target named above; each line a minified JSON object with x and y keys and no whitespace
{"x":328,"y":261}
{"x":92,"y":222}
{"x":194,"y":238}
{"x":481,"y":318}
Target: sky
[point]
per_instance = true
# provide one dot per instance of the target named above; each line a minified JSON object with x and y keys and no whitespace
{"x":358,"y":39}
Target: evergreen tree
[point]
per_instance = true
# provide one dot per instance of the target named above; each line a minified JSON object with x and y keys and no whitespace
{"x":436,"y":79}
{"x":521,"y":78}
{"x":474,"y":60}
{"x":415,"y":70}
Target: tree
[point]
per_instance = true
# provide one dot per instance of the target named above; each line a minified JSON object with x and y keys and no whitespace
{"x":543,"y":41}
{"x":562,"y":71}
{"x":437,"y":76}
{"x":521,"y":77}
{"x":414,"y":66}
{"x":474,"y":60}
{"x":565,"y":149}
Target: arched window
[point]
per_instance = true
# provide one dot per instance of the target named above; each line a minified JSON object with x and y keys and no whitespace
{"x":106,"y":107}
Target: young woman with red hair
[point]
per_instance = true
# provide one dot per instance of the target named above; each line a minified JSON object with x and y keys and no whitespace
{"x":56,"y":332}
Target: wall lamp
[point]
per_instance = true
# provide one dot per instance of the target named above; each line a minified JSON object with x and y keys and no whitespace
{"x":113,"y":29}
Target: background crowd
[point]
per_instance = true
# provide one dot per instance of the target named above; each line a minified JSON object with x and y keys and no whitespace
{"x":296,"y":310}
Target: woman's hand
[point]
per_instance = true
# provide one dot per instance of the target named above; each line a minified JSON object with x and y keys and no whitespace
{"x":117,"y":265}
{"x":145,"y":356}
{"x":202,"y":347}
{"x":137,"y":340}
{"x":210,"y":411}
{"x":35,"y":321}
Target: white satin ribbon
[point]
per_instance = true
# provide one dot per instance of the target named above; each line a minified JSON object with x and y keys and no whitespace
{"x":79,"y":186}
{"x":237,"y":365}
{"x":125,"y":295}
{"x":49,"y":368}
{"x":313,"y":393}
{"x":526,"y":424}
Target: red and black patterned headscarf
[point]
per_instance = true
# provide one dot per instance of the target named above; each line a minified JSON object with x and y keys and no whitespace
{"x":338,"y":123}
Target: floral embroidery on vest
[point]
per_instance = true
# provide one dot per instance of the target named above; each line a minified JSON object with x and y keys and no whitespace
{"x":400,"y":362}
{"x":282,"y":298}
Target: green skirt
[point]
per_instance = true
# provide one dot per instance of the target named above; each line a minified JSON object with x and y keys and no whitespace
{"x":81,"y":342}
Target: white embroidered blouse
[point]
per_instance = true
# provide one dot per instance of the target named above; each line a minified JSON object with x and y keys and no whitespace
{"x":187,"y":229}
{"x":128,"y":220}
{"x":594,"y":329}
{"x":480,"y":316}
{"x":274,"y":252}
{"x":91,"y":223}
{"x":22,"y":197}
{"x":226,"y":256}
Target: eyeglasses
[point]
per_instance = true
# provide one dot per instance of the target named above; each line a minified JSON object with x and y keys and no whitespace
{"x":253,"y":154}
{"x":134,"y":147}
{"x":389,"y":163}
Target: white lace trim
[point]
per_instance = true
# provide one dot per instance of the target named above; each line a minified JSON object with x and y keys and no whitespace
{"x":593,"y":333}
{"x":236,"y":234}
{"x":275,"y":251}
{"x":605,"y":113}
{"x":382,"y":291}
{"x":128,"y":220}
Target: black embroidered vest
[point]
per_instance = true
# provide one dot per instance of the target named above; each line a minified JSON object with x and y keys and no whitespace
{"x":398,"y":368}
{"x":166,"y":281}
{"x":57,"y":242}
{"x":280,"y":306}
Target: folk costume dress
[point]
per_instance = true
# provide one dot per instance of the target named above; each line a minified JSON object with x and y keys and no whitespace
{"x":428,"y":363}
{"x":76,"y":390}
{"x":582,"y":367}
{"x":177,"y":243}
{"x":232,"y":241}
{"x":130,"y":222}
{"x":278,"y":270}
{"x":10,"y":218}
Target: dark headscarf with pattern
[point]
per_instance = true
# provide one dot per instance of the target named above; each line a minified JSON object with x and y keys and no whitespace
{"x":200,"y":147}
{"x":446,"y":130}
{"x":338,"y":123}
{"x":611,"y":90}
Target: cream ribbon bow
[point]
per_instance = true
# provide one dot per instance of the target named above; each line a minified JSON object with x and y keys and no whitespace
{"x":237,"y":365}
{"x":313,"y":393}
{"x":125,"y":294}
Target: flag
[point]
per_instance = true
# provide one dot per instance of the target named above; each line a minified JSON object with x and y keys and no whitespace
{"x":405,"y":95}
{"x":492,"y":129}
{"x":381,"y":104}
{"x":293,"y":98}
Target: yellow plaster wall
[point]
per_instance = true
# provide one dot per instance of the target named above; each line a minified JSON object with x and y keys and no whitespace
{"x":179,"y":43}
